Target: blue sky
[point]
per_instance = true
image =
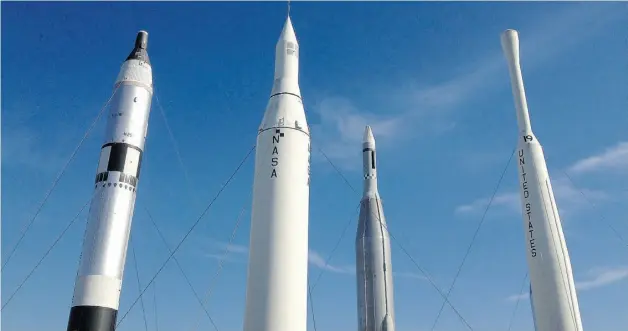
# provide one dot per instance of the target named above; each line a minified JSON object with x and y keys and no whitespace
{"x":429,"y":77}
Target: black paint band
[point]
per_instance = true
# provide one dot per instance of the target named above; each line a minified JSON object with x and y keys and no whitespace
{"x":288,"y":93}
{"x":117,"y":156}
{"x":91,"y":318}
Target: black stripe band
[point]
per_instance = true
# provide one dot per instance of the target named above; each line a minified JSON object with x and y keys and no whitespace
{"x":125,"y":144}
{"x":118,"y":155}
{"x":282,"y":127}
{"x":298,"y":96}
{"x":92,"y":318}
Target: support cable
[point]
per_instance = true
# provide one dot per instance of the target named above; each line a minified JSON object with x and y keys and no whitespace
{"x":514,"y":311}
{"x":177,"y":151}
{"x":186,"y":176}
{"x":67,"y":227}
{"x":198,"y":220}
{"x":56,"y":180}
{"x":224,"y":256}
{"x":220,"y":265}
{"x":602,"y":218}
{"x":155,"y":305}
{"x":139,"y":285}
{"x":327,"y":260}
{"x":309,"y":292}
{"x":427,"y":276}
{"x":475,"y":234}
{"x":331,"y":254}
{"x":176,"y":261}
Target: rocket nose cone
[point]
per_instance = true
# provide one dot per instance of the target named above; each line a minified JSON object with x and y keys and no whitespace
{"x":288,"y":31}
{"x":510,"y":43}
{"x":141,"y":41}
{"x":368,"y":135}
{"x":509,"y":34}
{"x":139,"y":51}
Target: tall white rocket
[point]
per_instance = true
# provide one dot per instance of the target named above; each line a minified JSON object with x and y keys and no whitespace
{"x":99,"y":281}
{"x":276,"y":296}
{"x":372,"y":248}
{"x":552,"y":287}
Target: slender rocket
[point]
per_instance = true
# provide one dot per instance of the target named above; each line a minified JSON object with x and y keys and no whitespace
{"x":372,"y":247}
{"x":276,"y":295}
{"x":552,"y":287}
{"x":99,"y":281}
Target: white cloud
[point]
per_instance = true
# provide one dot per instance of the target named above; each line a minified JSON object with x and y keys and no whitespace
{"x":318,"y":261}
{"x":569,"y":199}
{"x":510,"y":200}
{"x":613,"y":158}
{"x":598,"y":277}
{"x":341,"y":129}
{"x":314,"y":258}
{"x":425,"y":108}
{"x":225,"y":258}
{"x":516,"y":297}
{"x":226,"y":252}
{"x":22,"y":147}
{"x":602,"y":277}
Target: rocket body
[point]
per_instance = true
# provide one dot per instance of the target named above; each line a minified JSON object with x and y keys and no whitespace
{"x":372,"y":246}
{"x":99,"y":281}
{"x":552,"y":289}
{"x":276,"y":297}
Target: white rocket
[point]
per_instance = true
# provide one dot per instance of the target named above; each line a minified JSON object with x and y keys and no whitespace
{"x":372,"y":248}
{"x":552,"y":288}
{"x":276,"y":296}
{"x":99,"y":281}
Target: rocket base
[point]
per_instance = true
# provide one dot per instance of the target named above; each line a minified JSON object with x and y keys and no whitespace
{"x":91,"y":318}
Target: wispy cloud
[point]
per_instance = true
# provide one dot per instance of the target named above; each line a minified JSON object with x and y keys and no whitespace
{"x":603,"y":276}
{"x":238,"y":253}
{"x":598,"y":277}
{"x":510,"y":200}
{"x":517,"y":297}
{"x":613,"y":158}
{"x":426,"y":107}
{"x":226,"y":252}
{"x":318,"y":261}
{"x":22,"y":147}
{"x":569,"y":199}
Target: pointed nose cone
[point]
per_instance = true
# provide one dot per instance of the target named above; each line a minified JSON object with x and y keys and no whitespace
{"x":368,"y":136}
{"x":287,"y":34}
{"x":287,"y":62}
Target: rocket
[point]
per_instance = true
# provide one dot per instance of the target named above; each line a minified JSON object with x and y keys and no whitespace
{"x":276,"y":295}
{"x":372,"y":247}
{"x":552,"y":288}
{"x":99,"y":280}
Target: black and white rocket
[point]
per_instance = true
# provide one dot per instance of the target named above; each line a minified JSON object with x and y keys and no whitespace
{"x":276,"y":292}
{"x":372,"y":247}
{"x":99,"y":281}
{"x":552,"y":289}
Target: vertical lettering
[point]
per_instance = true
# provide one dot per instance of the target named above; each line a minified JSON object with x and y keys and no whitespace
{"x":528,"y":205}
{"x":274,"y":161}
